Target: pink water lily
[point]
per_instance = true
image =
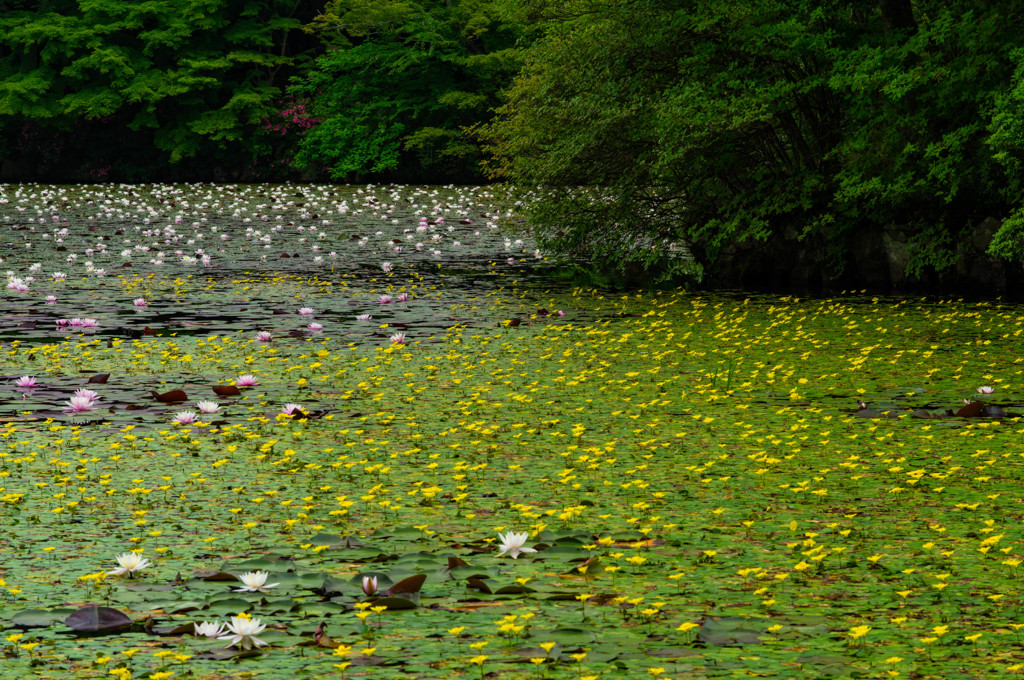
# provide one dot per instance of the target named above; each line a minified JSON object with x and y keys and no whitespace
{"x":79,"y":405}
{"x":247,"y":380}
{"x":264,"y":336}
{"x":26,"y":381}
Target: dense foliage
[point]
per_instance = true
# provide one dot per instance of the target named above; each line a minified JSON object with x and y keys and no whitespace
{"x":121,"y":89}
{"x":402,"y":81}
{"x":710,"y":123}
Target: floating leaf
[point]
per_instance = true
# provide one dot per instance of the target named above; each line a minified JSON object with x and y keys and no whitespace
{"x":98,"y":620}
{"x":396,"y":603}
{"x":408,"y":585}
{"x":172,"y":396}
{"x":36,"y":618}
{"x":971,"y":409}
{"x":478,"y":584}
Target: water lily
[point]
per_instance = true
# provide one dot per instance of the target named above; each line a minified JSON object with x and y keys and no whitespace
{"x":986,"y":389}
{"x":370,"y":585}
{"x":364,"y":317}
{"x":247,"y":380}
{"x":398,"y":339}
{"x":241,"y":631}
{"x":130,"y":563}
{"x":402,"y":297}
{"x":79,"y":405}
{"x":210,"y":629}
{"x":205,"y":406}
{"x":306,"y":311}
{"x":87,"y":393}
{"x":387,"y":267}
{"x":290,"y":409}
{"x":255,"y":582}
{"x":512,"y":543}
{"x":185,"y":417}
{"x":264,"y":336}
{"x":140,"y":302}
{"x":26,"y":381}
{"x":383,"y":299}
{"x":50,"y":299}
{"x":315,"y":327}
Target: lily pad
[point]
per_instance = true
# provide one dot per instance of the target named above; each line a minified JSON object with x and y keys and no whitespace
{"x":98,"y":620}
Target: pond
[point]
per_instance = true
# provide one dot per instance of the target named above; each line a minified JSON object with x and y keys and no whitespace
{"x":364,"y":428}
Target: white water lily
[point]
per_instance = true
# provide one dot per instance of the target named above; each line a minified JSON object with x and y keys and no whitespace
{"x":512,"y":543}
{"x":986,"y":389}
{"x":210,"y":629}
{"x":370,"y":585}
{"x":130,"y":563}
{"x":206,"y":406}
{"x":242,"y":632}
{"x":255,"y":582}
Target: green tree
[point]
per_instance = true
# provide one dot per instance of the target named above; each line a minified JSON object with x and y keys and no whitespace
{"x":646,"y":122}
{"x":400,"y":82}
{"x":142,"y":83}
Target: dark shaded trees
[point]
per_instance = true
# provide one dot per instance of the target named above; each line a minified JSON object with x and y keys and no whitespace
{"x":648,"y":122}
{"x":400,"y":83}
{"x":91,"y":87}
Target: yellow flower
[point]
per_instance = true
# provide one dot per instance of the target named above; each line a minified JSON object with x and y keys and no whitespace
{"x":858,"y":632}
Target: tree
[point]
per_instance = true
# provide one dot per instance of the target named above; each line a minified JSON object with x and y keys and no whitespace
{"x":400,"y":81}
{"x":651,"y":122}
{"x":140,"y":83}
